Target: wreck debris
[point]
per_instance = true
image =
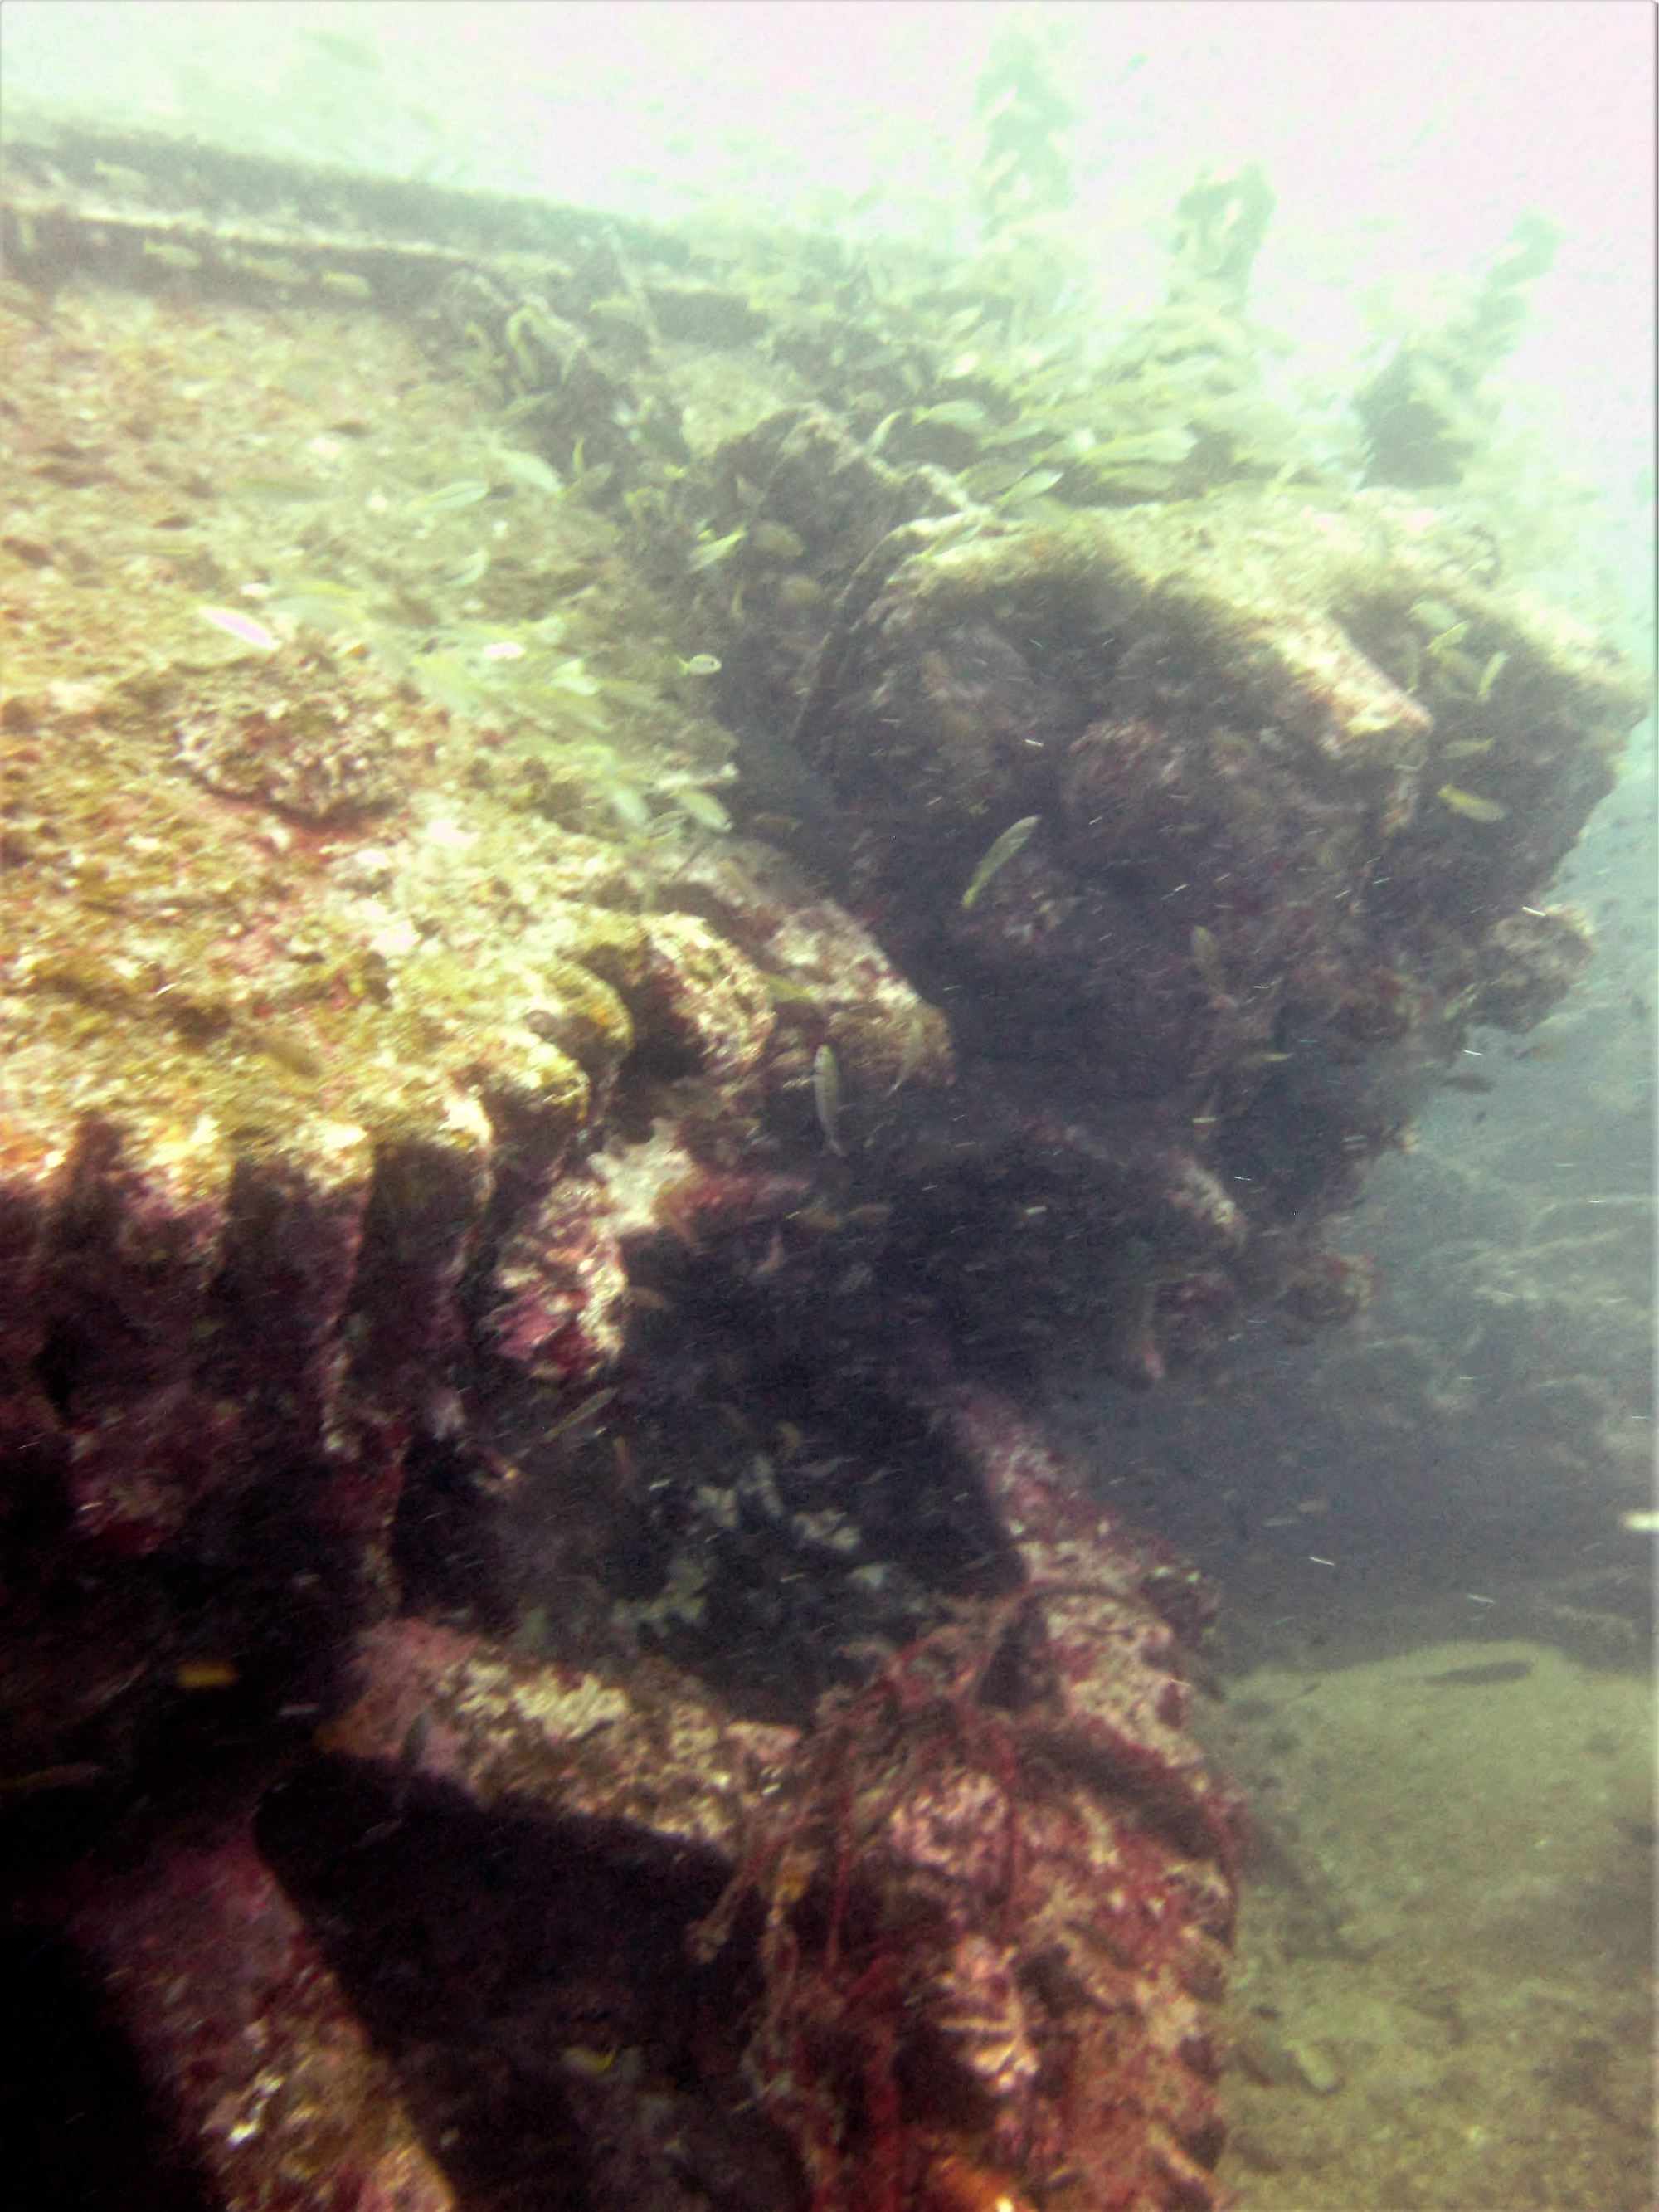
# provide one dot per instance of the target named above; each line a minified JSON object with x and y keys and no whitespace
{"x":985,"y":1881}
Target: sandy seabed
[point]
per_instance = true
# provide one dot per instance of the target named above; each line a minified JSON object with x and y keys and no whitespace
{"x":1445,"y":1992}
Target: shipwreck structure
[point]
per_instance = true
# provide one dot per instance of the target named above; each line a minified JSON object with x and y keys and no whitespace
{"x":644,"y":873}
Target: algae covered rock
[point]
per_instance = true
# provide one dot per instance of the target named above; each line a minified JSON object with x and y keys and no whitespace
{"x":1215,"y":825}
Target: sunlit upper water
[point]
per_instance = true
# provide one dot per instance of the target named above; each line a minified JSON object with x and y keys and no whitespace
{"x":1401,"y":136}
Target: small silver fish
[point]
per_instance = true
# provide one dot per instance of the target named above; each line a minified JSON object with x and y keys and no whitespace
{"x":915,"y":1040}
{"x":955,"y":415}
{"x":1032,"y":486}
{"x":799,"y":591}
{"x":270,"y":269}
{"x":999,"y":856}
{"x":170,"y":256}
{"x":776,"y":541}
{"x":529,"y":469}
{"x":469,"y":572}
{"x":705,"y":555}
{"x":826,"y":1094}
{"x":241,"y":627}
{"x":416,"y":1736}
{"x":702,"y":806}
{"x":1207,"y":958}
{"x":582,"y":1415}
{"x":1470,"y":804}
{"x":1434,"y":616}
{"x":467,"y":491}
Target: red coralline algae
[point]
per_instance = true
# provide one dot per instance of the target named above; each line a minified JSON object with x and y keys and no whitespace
{"x":655,"y":1751}
{"x":999,"y":1894}
{"x":250,"y":2045}
{"x":561,"y":1284}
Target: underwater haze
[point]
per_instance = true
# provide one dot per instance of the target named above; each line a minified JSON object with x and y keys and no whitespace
{"x":828,"y":1138}
{"x":1403,"y":139}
